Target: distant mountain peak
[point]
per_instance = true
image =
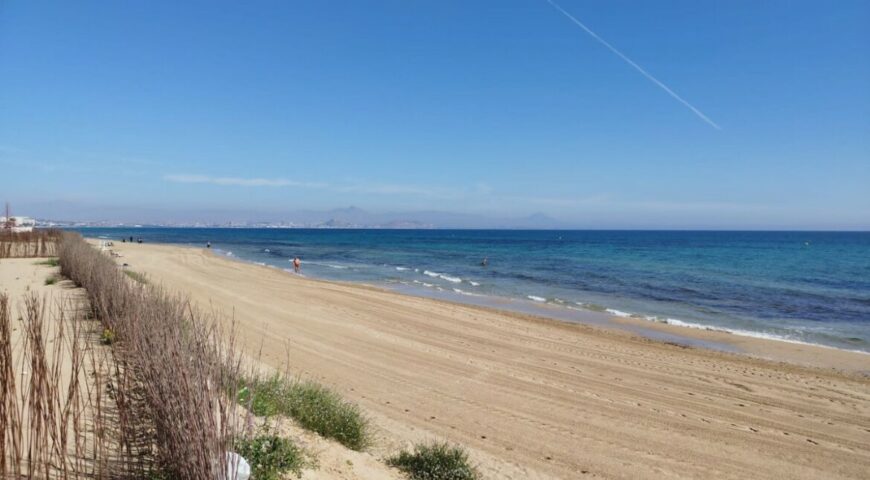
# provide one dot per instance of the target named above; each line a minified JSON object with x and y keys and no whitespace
{"x":350,"y":209}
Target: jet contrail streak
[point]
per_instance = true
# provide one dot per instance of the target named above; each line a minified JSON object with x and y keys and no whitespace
{"x":637,"y":67}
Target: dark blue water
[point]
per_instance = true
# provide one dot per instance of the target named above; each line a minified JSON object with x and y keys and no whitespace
{"x":799,"y":286}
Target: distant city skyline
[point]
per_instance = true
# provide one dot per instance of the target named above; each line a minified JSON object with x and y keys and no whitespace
{"x":680,"y":114}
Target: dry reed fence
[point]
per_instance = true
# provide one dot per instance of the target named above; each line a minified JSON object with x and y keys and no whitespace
{"x":57,"y":418}
{"x":38,"y":243}
{"x":184,"y":367}
{"x":158,"y":403}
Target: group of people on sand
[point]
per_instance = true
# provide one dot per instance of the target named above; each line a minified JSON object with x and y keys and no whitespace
{"x":124,"y":240}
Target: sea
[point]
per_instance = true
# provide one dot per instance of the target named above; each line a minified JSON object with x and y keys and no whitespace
{"x":803,"y":287}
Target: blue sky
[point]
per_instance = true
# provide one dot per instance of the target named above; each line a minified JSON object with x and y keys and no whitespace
{"x":497,"y":108}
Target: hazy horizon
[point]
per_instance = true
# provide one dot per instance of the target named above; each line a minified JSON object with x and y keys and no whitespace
{"x":711,"y":116}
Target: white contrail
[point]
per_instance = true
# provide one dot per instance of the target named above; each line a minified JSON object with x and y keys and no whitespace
{"x":636,"y":66}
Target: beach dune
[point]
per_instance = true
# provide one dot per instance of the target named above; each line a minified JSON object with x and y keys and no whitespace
{"x":534,"y":398}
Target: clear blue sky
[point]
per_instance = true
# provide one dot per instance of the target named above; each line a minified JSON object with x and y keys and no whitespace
{"x":501,"y":108}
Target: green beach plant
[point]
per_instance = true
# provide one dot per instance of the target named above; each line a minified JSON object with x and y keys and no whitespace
{"x":51,"y":280}
{"x":314,"y":406}
{"x":435,"y":461}
{"x":49,"y":262}
{"x":107,"y":337}
{"x":322,"y":410}
{"x":271,"y":456}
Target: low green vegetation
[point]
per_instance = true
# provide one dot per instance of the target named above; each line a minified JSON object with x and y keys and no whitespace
{"x":107,"y":337}
{"x":314,"y":406}
{"x":136,"y":276}
{"x":435,"y":461}
{"x":51,"y":280}
{"x":49,"y":262}
{"x":272,"y":456}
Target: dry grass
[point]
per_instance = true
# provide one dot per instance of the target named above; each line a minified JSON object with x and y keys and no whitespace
{"x":57,"y":416}
{"x":38,"y":243}
{"x":131,"y":381}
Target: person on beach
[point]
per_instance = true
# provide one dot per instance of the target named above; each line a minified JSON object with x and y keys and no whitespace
{"x":207,"y":244}
{"x":296,"y":264}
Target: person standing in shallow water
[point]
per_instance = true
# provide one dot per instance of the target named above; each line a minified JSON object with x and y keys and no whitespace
{"x":296,"y":264}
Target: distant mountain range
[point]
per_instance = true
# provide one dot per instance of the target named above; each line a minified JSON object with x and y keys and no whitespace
{"x":350,"y":217}
{"x":353,"y":216}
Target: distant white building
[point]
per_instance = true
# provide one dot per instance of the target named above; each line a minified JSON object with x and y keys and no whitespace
{"x":17,"y":224}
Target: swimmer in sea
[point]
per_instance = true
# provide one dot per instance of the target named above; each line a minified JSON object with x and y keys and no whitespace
{"x":296,"y":264}
{"x":485,"y":262}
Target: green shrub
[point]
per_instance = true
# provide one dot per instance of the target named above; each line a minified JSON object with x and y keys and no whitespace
{"x":314,"y":406}
{"x":107,"y":337}
{"x":51,"y":280}
{"x":264,"y":397}
{"x":271,"y":456}
{"x":435,"y":461}
{"x":50,"y":262}
{"x":321,"y":410}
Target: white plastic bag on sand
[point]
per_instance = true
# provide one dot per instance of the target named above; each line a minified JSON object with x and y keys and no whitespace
{"x":237,"y":467}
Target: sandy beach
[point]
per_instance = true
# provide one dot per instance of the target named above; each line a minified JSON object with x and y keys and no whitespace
{"x":535,"y":398}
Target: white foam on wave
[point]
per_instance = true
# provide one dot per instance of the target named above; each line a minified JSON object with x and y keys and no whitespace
{"x":463,"y":292}
{"x":474,"y":284}
{"x":442,"y":276}
{"x":536,"y":298}
{"x":266,"y":250}
{"x":402,"y":269}
{"x":618,"y":313}
{"x":328,"y":265}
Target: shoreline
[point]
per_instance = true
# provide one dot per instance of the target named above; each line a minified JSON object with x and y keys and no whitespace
{"x":533,"y":397}
{"x":712,"y":338}
{"x":610,"y":312}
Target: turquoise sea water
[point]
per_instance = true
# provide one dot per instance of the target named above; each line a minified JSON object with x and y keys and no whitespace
{"x":809,"y":287}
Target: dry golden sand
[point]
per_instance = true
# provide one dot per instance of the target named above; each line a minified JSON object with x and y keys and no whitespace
{"x":540,"y":399}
